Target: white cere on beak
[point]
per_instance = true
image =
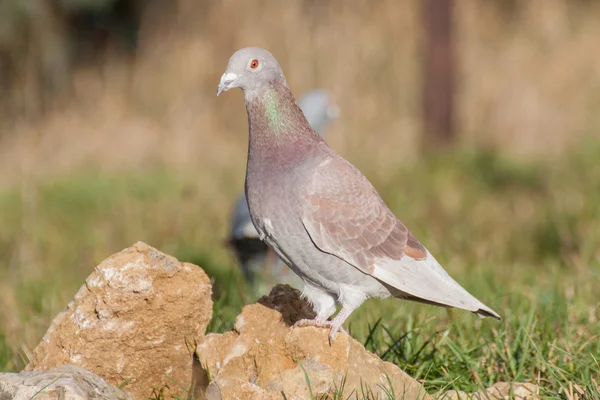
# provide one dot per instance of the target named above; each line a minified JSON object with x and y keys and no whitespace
{"x":226,"y":80}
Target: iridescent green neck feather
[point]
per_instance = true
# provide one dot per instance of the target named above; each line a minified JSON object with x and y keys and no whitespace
{"x":276,"y":110}
{"x":273,"y":110}
{"x":276,"y":121}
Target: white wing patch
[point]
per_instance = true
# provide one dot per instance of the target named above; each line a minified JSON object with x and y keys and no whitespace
{"x":264,"y":228}
{"x":325,"y":162}
{"x":268,"y":225}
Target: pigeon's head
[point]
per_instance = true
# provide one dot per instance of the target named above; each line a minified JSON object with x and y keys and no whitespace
{"x":319,"y":109}
{"x":250,"y":69}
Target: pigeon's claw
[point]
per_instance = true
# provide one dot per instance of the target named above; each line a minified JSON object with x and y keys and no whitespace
{"x":333,"y":331}
{"x":333,"y":327}
{"x":317,"y":322}
{"x":336,"y":327}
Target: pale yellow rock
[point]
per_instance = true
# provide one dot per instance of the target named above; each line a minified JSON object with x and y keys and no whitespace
{"x":500,"y":390}
{"x":513,"y":390}
{"x":130,"y":322}
{"x":264,"y":357}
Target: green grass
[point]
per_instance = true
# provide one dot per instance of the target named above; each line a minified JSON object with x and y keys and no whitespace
{"x":524,"y":238}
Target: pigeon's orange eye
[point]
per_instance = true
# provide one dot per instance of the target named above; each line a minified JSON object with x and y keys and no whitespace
{"x":254,"y":64}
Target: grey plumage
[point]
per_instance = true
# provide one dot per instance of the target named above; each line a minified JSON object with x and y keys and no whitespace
{"x":320,"y":214}
{"x":260,"y":267}
{"x":319,"y":110}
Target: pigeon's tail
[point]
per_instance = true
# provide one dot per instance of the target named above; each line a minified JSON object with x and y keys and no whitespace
{"x":426,"y":281}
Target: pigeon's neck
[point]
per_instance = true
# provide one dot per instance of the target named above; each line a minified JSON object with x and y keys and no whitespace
{"x":275,"y":120}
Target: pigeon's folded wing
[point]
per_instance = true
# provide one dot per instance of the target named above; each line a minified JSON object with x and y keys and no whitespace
{"x":345,"y":216}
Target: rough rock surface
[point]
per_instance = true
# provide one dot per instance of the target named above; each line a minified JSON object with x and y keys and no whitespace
{"x":264,"y":357}
{"x":131,"y":322}
{"x":67,"y":382}
{"x":500,"y":390}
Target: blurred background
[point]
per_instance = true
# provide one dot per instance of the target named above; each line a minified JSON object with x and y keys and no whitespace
{"x":478,"y":122}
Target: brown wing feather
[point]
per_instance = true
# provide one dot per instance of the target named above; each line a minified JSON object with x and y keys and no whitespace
{"x":414,"y":248}
{"x":346,"y":217}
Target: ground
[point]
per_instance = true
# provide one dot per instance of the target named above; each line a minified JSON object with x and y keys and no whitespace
{"x":522,"y":237}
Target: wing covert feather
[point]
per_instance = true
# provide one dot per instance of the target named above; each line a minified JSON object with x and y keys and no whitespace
{"x":346,"y":217}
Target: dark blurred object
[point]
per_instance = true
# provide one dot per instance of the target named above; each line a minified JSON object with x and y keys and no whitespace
{"x":438,"y":74}
{"x":97,"y":26}
{"x":42,"y":42}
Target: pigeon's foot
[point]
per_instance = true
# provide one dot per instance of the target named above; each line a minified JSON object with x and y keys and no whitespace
{"x":334,"y":330}
{"x":320,"y":323}
{"x":338,"y":321}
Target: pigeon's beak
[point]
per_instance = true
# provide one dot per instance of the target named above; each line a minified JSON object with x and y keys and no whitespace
{"x":227,"y":80}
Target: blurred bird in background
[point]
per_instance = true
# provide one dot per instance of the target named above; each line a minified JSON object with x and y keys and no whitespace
{"x":260,"y":265}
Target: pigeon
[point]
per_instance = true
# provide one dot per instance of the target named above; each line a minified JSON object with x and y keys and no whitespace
{"x":253,"y":254}
{"x":319,"y":109}
{"x":321,"y":215}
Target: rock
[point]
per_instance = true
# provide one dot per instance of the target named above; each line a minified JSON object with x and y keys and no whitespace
{"x":499,"y":390}
{"x":67,"y":382}
{"x":132,"y":321}
{"x":264,"y":357}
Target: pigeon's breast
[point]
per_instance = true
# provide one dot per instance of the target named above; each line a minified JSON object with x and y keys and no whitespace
{"x":274,"y":190}
{"x":271,"y":199}
{"x":275,"y":208}
{"x":272,"y":181}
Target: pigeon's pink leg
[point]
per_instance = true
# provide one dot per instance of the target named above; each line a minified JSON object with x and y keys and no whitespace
{"x":319,"y":323}
{"x":323,"y":304}
{"x":334,"y":325}
{"x":338,"y":321}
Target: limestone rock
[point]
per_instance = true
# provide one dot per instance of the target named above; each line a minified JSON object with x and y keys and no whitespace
{"x":264,"y":357}
{"x":67,"y":382}
{"x":499,"y":390}
{"x":131,"y":322}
